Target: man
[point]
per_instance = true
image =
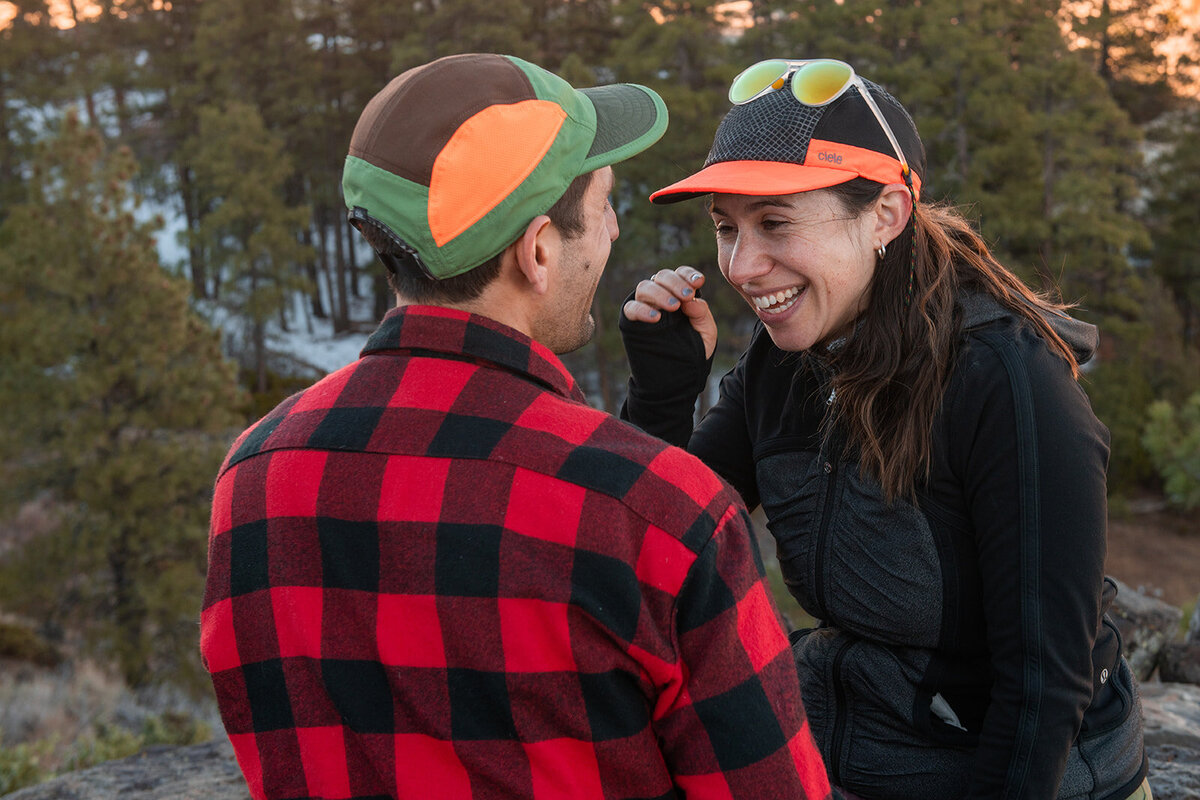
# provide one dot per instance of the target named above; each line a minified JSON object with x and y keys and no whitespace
{"x":438,"y":572}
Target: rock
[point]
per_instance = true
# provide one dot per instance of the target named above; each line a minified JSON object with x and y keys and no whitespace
{"x":1174,"y":773}
{"x":1173,"y":739}
{"x":1179,"y":662}
{"x":1146,"y":624}
{"x":1193,"y":631}
{"x":1172,"y":712}
{"x":209,"y":771}
{"x":199,"y":772}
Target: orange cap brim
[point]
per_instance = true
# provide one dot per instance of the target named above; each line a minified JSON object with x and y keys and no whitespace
{"x":779,"y":178}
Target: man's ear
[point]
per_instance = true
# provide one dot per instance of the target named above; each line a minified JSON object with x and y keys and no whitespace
{"x":892,"y":210}
{"x":536,"y":253}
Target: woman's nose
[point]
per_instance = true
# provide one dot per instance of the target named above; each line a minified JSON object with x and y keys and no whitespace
{"x":748,"y":260}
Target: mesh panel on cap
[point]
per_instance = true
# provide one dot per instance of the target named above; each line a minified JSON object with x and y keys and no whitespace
{"x":774,"y":127}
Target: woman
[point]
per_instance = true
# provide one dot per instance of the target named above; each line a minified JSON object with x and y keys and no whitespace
{"x":908,"y":415}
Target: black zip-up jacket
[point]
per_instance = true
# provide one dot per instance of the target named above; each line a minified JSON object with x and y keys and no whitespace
{"x":963,"y":649}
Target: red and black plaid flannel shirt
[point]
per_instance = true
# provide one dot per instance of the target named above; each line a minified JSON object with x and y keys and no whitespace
{"x":438,"y":573}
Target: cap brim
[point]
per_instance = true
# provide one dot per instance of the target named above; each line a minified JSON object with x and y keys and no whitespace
{"x":756,"y":177}
{"x":752,"y":177}
{"x":629,"y":118}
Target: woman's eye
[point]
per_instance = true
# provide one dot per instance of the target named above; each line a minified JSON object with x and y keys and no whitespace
{"x":723,"y":229}
{"x":772,"y":224}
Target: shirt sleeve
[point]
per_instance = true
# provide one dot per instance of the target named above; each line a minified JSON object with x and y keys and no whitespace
{"x":736,"y":727}
{"x":1033,"y":458}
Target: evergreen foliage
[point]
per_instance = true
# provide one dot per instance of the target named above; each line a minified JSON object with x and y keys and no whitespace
{"x":1122,"y":38}
{"x":247,"y":230}
{"x":1173,"y":438}
{"x":31,"y":77}
{"x":115,"y":400}
{"x":1174,"y":192}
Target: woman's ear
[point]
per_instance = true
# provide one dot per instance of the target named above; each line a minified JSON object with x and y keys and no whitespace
{"x":535,"y":253}
{"x":892,"y":211}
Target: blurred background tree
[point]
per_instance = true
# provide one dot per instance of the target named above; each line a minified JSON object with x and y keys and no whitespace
{"x":1067,"y":129}
{"x":115,"y":404}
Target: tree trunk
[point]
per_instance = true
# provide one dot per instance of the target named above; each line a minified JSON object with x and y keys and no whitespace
{"x":323,"y":259}
{"x":129,"y":616}
{"x":7,"y":162}
{"x":310,"y":269}
{"x":260,"y":356}
{"x":89,"y":99}
{"x":1105,"y":52}
{"x":123,"y":115}
{"x":962,"y":149}
{"x":258,"y":336}
{"x":1045,"y":247}
{"x":341,"y":305}
{"x":191,"y":217}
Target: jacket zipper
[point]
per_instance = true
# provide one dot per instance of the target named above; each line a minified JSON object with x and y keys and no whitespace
{"x":831,"y":469}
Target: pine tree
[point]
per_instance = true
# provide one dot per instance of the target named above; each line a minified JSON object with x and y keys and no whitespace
{"x":172,"y":95}
{"x":32,"y":66}
{"x":1123,"y":39}
{"x":1174,"y":189}
{"x":116,"y":404}
{"x":250,"y":235}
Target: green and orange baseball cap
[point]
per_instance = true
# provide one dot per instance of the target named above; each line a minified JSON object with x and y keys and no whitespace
{"x":453,"y":159}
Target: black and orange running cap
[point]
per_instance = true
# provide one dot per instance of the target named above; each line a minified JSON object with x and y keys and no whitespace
{"x":776,"y":145}
{"x":453,"y":159}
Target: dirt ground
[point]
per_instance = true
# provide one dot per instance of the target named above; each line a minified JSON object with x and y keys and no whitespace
{"x":1159,"y":552}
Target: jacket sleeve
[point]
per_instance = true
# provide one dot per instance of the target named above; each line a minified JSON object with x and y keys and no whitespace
{"x":1032,"y":459}
{"x":736,"y":726}
{"x":668,"y":371}
{"x":722,"y":439}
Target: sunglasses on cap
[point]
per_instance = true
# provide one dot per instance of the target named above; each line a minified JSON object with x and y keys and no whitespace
{"x":815,"y":83}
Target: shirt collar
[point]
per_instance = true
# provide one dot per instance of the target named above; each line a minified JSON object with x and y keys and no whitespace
{"x":459,"y":333}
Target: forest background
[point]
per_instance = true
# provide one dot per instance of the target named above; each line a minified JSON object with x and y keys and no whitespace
{"x":1068,"y":130}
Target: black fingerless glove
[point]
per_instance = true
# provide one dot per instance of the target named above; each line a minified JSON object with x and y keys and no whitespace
{"x":667,"y":371}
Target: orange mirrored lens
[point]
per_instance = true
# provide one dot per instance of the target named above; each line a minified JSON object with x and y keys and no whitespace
{"x":755,"y":79}
{"x":821,"y":82}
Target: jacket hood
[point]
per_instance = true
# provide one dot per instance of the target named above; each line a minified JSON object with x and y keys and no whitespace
{"x":1083,"y":337}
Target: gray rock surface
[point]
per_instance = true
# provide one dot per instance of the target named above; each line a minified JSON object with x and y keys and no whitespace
{"x":1146,"y":625}
{"x":209,"y":771}
{"x":1173,"y":739}
{"x":1179,"y":662}
{"x":199,"y":772}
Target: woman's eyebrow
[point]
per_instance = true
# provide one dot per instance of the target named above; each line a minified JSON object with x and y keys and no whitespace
{"x":773,"y":200}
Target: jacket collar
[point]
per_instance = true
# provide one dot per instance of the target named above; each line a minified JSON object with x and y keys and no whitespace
{"x":1083,"y":338}
{"x":458,"y":334}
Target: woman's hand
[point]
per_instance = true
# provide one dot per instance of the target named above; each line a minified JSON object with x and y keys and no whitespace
{"x":674,"y":290}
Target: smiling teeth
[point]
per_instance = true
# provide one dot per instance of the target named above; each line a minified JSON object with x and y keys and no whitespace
{"x":775,"y":303}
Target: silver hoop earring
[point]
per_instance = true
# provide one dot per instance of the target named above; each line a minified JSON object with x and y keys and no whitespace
{"x":881,"y":251}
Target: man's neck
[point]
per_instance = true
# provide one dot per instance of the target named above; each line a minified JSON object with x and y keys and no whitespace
{"x":493,"y":304}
